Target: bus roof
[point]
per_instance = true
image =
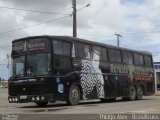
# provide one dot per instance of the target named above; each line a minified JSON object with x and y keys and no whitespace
{"x":68,"y":38}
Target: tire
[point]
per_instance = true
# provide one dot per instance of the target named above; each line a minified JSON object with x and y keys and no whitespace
{"x":42,"y":104}
{"x":74,"y":95}
{"x":132,"y":92}
{"x":139,"y":95}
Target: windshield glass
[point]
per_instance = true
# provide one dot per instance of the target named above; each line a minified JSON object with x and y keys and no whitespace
{"x":18,"y":66}
{"x":38,"y":64}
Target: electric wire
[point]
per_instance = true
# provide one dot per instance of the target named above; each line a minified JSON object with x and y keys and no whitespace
{"x":34,"y":25}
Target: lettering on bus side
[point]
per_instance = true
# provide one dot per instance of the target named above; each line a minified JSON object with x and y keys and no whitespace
{"x":143,"y":73}
{"x":119,"y":69}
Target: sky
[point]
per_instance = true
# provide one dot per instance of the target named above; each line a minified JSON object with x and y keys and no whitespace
{"x":136,"y":20}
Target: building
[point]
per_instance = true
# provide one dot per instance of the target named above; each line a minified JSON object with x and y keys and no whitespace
{"x":157,"y":74}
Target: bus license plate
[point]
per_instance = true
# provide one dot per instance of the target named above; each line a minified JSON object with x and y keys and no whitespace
{"x":23,"y":97}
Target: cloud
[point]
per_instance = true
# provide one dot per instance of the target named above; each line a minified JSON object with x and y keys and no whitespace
{"x":136,"y":20}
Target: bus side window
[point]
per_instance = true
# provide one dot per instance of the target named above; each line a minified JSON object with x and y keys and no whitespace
{"x":79,"y":50}
{"x":62,"y":54}
{"x":127,"y":57}
{"x":114,"y":55}
{"x":82,"y":50}
{"x":66,"y":49}
{"x":148,"y":61}
{"x":138,"y":59}
{"x":87,"y":51}
{"x":104,"y":54}
{"x":57,"y":47}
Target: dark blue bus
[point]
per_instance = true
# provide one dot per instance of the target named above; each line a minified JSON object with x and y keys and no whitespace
{"x":51,"y":68}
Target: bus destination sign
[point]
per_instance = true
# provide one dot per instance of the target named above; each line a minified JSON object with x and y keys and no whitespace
{"x":30,"y":46}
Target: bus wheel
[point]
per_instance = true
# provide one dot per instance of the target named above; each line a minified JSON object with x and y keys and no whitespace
{"x":74,"y":95}
{"x":132,"y":93}
{"x":139,"y":95}
{"x":41,"y":104}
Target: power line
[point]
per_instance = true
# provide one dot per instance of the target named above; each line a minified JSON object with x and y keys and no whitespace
{"x":62,"y":8}
{"x":34,"y":25}
{"x":83,"y":7}
{"x":35,"y":11}
{"x":68,"y":15}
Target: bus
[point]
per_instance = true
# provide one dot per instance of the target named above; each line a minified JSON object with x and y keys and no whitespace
{"x":63,"y":68}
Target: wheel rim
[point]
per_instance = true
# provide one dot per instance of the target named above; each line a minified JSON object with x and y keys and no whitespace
{"x":75,"y":95}
{"x":140,"y":92}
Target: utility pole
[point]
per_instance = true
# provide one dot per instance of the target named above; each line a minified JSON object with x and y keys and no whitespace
{"x":74,"y":18}
{"x":118,"y":35}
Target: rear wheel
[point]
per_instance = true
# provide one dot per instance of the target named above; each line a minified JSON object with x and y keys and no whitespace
{"x":41,"y":104}
{"x":74,"y":95}
{"x":132,"y":94}
{"x":139,"y":95}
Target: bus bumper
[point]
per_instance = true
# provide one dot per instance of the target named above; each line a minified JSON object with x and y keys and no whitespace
{"x":30,"y":98}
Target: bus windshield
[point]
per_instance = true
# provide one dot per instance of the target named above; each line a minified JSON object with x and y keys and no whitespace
{"x":38,"y":64}
{"x":18,"y":66}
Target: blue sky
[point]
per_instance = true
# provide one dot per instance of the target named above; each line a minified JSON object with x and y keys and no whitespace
{"x":136,"y":20}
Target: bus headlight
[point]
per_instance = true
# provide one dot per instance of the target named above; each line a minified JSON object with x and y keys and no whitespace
{"x":13,"y":99}
{"x":33,"y":98}
{"x":16,"y":99}
{"x":37,"y":98}
{"x":42,"y":98}
{"x":10,"y":99}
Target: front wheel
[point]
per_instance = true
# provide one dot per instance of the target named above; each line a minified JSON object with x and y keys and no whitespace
{"x":74,"y":95}
{"x":41,"y":104}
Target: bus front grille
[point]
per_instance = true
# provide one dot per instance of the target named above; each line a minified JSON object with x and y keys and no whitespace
{"x":26,"y":90}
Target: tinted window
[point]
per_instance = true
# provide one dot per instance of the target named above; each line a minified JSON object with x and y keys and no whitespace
{"x":138,"y":59}
{"x":79,"y":49}
{"x":87,"y":51}
{"x":57,"y":46}
{"x":114,"y":55}
{"x":127,"y":57}
{"x":66,"y":49}
{"x":82,"y":50}
{"x":148,"y":61}
{"x":62,"y":48}
{"x":104,"y":54}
